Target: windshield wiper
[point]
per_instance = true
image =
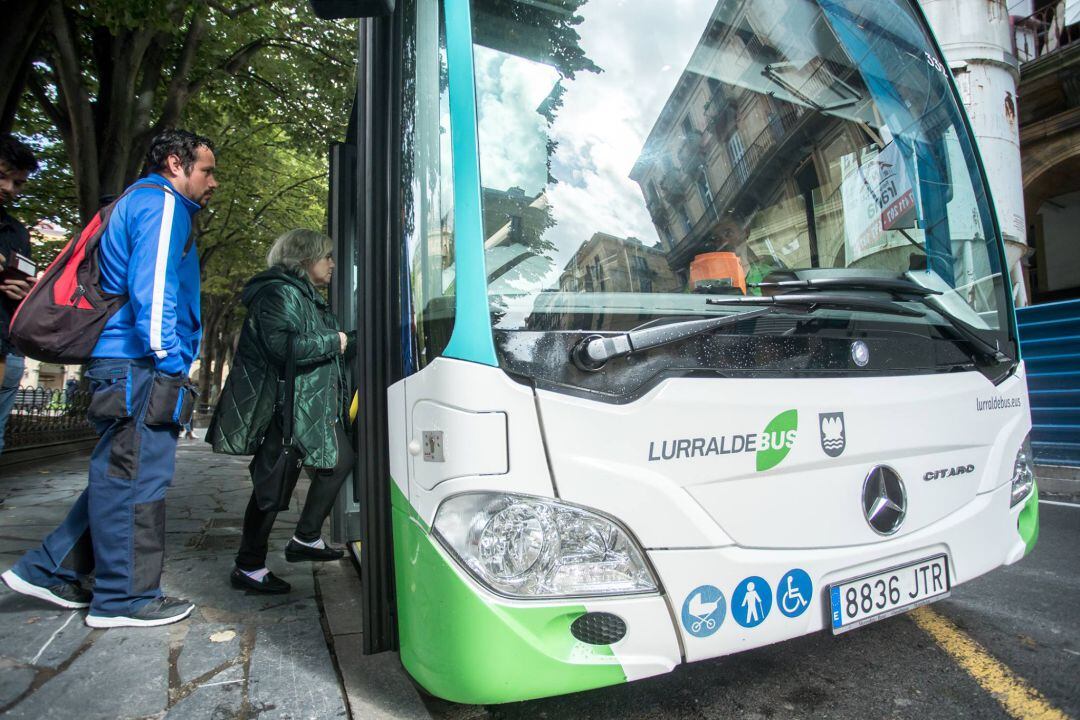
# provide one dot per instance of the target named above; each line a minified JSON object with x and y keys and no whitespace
{"x":817,"y":299}
{"x":966,"y":333}
{"x":893,"y":285}
{"x":593,"y":351}
{"x":899,"y":286}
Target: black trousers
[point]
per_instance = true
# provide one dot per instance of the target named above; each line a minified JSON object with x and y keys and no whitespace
{"x":325,"y":485}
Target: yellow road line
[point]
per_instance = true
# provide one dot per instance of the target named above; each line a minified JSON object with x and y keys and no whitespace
{"x":1019,"y":699}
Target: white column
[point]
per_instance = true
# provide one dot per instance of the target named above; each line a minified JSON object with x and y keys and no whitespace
{"x":976,"y":37}
{"x":30,"y":374}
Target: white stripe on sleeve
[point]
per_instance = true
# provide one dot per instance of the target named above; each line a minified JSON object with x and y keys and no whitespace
{"x":160,"y":264}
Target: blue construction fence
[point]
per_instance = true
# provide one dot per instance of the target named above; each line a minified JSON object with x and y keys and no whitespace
{"x":1050,"y":343}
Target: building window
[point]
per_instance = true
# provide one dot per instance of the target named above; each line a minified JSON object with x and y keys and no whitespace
{"x":652,"y":193}
{"x":736,"y":151}
{"x":705,"y":191}
{"x":664,"y":231}
{"x":684,"y":217}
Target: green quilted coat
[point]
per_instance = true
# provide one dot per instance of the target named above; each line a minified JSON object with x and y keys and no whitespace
{"x":278,"y":304}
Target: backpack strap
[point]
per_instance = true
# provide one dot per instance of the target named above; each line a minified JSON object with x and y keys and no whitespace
{"x":131,"y":189}
{"x":110,"y":206}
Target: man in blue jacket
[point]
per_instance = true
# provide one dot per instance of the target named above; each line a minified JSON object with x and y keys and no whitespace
{"x":116,"y":529}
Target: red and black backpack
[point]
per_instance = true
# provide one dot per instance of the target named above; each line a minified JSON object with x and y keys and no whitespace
{"x":61,"y":319}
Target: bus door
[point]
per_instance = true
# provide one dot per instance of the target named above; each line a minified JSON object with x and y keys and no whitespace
{"x":365,"y":294}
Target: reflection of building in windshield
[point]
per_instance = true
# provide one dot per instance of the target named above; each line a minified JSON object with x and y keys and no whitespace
{"x":613,"y":264}
{"x":512,"y":216}
{"x":761,"y":131}
{"x":515,"y":248}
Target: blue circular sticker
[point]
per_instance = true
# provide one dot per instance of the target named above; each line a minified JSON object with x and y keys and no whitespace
{"x":751,"y":601}
{"x":703,"y":611}
{"x":794,"y":592}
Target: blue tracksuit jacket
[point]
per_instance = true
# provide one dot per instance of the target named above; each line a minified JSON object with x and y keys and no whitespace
{"x":142,"y":255}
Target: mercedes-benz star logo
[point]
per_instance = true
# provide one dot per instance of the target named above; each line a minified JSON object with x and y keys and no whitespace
{"x":884,"y":500}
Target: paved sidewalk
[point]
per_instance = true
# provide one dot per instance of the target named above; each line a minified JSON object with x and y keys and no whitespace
{"x":239,"y":656}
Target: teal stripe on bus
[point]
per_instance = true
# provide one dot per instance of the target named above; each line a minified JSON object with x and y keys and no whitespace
{"x":471,"y":338}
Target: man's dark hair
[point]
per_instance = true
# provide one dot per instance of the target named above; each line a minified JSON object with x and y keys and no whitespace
{"x":181,"y":143}
{"x":16,"y":154}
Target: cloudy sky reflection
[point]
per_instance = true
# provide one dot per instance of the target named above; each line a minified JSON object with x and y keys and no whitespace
{"x":642,"y":48}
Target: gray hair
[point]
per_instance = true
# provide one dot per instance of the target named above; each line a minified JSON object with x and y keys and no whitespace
{"x":296,"y":249}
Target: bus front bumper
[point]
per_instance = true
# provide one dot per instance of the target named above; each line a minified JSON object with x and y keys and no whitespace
{"x":464,"y":644}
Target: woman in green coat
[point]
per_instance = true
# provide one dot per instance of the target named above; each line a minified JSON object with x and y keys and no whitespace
{"x":283,"y":302}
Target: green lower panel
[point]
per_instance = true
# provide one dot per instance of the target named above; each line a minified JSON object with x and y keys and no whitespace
{"x":461,"y":647}
{"x":1028,"y":522}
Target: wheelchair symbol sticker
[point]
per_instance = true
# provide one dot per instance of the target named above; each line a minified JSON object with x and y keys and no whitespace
{"x":751,"y":601}
{"x":703,"y":611}
{"x":794,"y":592}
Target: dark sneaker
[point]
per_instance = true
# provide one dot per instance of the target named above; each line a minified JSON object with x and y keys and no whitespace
{"x":65,"y":595}
{"x":299,"y":552}
{"x":271,"y":584}
{"x":159,"y":611}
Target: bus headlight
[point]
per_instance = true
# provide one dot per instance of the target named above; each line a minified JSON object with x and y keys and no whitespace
{"x":1023,"y":478}
{"x":530,"y":547}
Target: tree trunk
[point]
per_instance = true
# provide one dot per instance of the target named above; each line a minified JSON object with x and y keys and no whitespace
{"x":107,"y":128}
{"x":110,"y":90}
{"x":22,"y":24}
{"x":205,"y":366}
{"x":79,"y":129}
{"x":221,"y":353}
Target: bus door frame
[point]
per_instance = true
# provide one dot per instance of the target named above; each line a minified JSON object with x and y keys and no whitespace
{"x":366,"y":228}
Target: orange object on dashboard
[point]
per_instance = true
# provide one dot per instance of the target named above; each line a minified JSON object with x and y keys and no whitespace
{"x":718,"y":272}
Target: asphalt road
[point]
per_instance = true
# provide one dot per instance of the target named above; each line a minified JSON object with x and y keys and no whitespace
{"x":1026,"y":616}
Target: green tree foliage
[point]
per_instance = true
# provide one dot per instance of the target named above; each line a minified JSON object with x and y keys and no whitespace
{"x":110,"y":74}
{"x":539,"y":31}
{"x":271,"y":84}
{"x":268,"y":186}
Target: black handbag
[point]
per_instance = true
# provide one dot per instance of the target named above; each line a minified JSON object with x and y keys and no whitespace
{"x":275,"y":468}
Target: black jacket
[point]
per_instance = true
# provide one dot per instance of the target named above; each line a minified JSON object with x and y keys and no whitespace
{"x":14,"y":238}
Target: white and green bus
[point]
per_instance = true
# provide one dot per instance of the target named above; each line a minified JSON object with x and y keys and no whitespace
{"x":684,"y":330}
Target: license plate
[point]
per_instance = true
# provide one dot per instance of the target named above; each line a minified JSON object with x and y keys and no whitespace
{"x":872,"y":597}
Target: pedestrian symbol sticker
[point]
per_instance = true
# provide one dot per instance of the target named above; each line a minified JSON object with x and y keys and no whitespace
{"x":794,"y":592}
{"x":751,"y":601}
{"x":703,"y":611}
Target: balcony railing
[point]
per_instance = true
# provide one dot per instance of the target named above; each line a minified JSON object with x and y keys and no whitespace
{"x":42,"y":416}
{"x":781,"y":123}
{"x":674,"y":184}
{"x":1043,"y":33}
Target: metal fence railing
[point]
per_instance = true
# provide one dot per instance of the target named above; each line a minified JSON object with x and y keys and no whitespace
{"x":1044,"y":32}
{"x":43,"y":416}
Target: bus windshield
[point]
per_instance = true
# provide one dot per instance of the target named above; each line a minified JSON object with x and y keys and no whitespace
{"x":640,"y":160}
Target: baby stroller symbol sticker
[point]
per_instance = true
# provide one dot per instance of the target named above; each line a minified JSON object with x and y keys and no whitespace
{"x":794,"y":592}
{"x":703,"y":611}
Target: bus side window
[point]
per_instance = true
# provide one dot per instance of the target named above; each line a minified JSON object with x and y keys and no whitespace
{"x":428,"y":193}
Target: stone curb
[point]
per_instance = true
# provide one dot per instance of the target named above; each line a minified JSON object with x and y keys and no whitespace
{"x":1058,"y":479}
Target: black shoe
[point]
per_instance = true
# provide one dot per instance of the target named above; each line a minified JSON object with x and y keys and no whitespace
{"x":159,"y":611}
{"x":298,"y":552}
{"x":65,"y":595}
{"x":271,"y":584}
